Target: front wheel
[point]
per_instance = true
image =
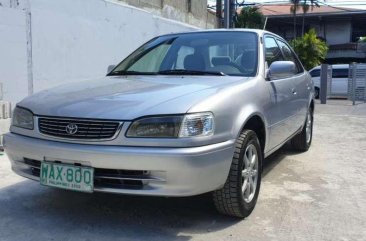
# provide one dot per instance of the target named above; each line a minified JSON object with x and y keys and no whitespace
{"x":240,"y":192}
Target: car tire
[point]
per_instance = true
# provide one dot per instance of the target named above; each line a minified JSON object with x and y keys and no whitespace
{"x":240,"y":191}
{"x":302,"y":141}
{"x":316,"y":93}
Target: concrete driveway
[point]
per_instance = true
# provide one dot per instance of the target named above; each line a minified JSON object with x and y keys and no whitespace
{"x":317,"y":195}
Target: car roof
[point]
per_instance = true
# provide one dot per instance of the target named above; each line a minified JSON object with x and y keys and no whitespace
{"x":257,"y":31}
{"x":334,"y":66}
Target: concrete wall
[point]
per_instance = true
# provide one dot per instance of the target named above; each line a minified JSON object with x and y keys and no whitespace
{"x":71,"y":40}
{"x":189,"y":11}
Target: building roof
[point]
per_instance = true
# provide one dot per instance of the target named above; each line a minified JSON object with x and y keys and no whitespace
{"x":284,"y":10}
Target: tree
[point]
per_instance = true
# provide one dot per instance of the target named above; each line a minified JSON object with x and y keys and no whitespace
{"x":250,"y":17}
{"x":305,"y":9}
{"x":295,"y":6}
{"x":310,"y":49}
{"x":305,"y":5}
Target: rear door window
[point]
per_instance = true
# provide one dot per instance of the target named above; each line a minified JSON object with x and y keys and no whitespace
{"x":340,"y":73}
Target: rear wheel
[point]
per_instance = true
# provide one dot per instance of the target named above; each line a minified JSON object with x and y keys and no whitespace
{"x":240,"y":192}
{"x":316,"y":92}
{"x":302,"y":141}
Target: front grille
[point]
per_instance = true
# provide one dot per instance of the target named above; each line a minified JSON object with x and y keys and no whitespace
{"x":112,"y":178}
{"x":35,"y":166}
{"x":77,"y":128}
{"x":107,"y":178}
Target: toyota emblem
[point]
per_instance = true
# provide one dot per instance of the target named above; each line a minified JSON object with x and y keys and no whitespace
{"x":71,"y":129}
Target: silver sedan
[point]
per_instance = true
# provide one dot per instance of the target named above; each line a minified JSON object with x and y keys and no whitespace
{"x":184,"y":114}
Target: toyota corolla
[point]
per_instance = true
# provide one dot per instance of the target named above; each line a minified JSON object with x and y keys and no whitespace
{"x":184,"y":114}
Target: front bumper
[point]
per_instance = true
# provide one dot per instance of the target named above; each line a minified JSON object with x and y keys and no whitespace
{"x":160,"y":171}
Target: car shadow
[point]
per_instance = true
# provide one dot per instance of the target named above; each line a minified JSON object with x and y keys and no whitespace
{"x":47,"y":213}
{"x":61,"y":214}
{"x":274,"y":159}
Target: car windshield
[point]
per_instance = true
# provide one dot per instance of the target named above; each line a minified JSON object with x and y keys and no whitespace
{"x":203,"y":53}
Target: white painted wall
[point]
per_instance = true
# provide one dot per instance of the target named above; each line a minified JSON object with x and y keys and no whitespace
{"x":71,"y":40}
{"x":13,"y":54}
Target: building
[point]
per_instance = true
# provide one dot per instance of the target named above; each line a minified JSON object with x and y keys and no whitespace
{"x":341,"y":28}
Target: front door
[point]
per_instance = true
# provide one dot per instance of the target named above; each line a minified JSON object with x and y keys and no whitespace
{"x":281,"y":109}
{"x":301,"y":88}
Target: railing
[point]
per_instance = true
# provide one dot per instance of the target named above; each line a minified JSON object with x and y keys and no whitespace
{"x":357,"y":82}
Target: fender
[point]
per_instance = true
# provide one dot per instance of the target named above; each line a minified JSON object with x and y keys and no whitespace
{"x":244,"y":116}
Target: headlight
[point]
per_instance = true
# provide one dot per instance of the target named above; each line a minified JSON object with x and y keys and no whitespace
{"x":201,"y":124}
{"x":22,"y":118}
{"x":167,"y":126}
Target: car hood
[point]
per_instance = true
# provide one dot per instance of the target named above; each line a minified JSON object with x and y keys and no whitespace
{"x":126,"y":98}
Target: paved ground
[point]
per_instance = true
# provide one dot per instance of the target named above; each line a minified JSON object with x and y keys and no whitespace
{"x":318,"y":195}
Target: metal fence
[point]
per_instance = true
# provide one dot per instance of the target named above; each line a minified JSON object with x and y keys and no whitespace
{"x":357,"y":82}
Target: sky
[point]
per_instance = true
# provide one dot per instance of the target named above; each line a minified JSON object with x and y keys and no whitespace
{"x":359,"y":4}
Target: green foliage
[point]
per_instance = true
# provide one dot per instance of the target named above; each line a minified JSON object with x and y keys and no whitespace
{"x":295,"y":6}
{"x":362,"y":39}
{"x":311,"y":50}
{"x":250,"y":17}
{"x":304,"y":4}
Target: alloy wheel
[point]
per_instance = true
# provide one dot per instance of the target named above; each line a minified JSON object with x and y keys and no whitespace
{"x":249,"y":173}
{"x":309,"y":128}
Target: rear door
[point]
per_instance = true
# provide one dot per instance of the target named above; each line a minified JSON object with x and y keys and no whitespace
{"x":339,"y":82}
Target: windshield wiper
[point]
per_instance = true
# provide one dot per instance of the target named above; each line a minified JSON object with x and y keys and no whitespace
{"x":130,"y":72}
{"x":167,"y":72}
{"x":189,"y":72}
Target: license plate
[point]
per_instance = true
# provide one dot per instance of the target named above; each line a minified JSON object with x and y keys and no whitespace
{"x":67,"y":177}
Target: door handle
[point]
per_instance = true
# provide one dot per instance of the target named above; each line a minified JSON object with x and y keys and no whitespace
{"x":293,"y":90}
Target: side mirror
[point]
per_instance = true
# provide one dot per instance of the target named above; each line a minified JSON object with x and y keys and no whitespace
{"x":110,"y":68}
{"x":281,"y":69}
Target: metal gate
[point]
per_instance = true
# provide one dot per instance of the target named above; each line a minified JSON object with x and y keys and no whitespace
{"x":326,"y":72}
{"x":357,"y":82}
